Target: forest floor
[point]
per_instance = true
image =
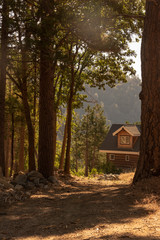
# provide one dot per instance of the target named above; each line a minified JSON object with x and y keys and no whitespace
{"x":86,"y":209}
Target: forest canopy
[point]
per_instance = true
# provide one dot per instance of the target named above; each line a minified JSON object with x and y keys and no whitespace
{"x":49,"y":51}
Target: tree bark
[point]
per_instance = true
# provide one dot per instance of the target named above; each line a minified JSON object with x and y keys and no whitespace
{"x":86,"y":158}
{"x":76,"y":157}
{"x":12,"y":146}
{"x":149,"y":160}
{"x":69,"y":122}
{"x":21,"y":147}
{"x":63,"y":146}
{"x":54,"y":133}
{"x":86,"y":151}
{"x":32,"y":165}
{"x":35,"y":93}
{"x":94,"y":157}
{"x":46,"y":120}
{"x":3,"y":64}
{"x":46,"y":102}
{"x":7,"y":145}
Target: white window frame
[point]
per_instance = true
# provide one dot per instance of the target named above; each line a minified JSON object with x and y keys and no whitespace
{"x":127,"y":158}
{"x":112,"y":157}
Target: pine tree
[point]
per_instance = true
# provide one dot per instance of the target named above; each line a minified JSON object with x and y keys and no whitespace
{"x":3,"y":64}
{"x":91,"y":132}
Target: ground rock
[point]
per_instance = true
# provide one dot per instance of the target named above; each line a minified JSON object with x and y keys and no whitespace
{"x":53,"y":180}
{"x":10,"y":191}
{"x":18,"y":187}
{"x":36,"y":182}
{"x":4,"y":184}
{"x":30,"y":185}
{"x":45,"y":186}
{"x":22,"y":185}
{"x":34,"y":175}
{"x":41,"y":185}
{"x":43,"y":181}
{"x":21,"y":179}
{"x":109,"y":177}
{"x":28,"y":194}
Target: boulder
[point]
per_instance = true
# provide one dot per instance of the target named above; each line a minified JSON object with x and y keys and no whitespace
{"x":53,"y":180}
{"x":30,"y":185}
{"x":43,"y":181}
{"x":4,"y":183}
{"x":36,"y":182}
{"x":21,"y":179}
{"x":33,"y":175}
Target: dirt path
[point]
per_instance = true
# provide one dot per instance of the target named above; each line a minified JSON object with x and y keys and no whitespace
{"x":85,"y":210}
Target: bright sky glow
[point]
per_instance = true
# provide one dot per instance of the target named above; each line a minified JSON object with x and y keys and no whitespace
{"x":137,"y":65}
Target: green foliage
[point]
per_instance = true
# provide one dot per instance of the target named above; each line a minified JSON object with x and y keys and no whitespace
{"x":58,"y":152}
{"x":74,"y":33}
{"x":109,"y":167}
{"x":107,"y":25}
{"x":88,"y":134}
{"x":79,"y":173}
{"x":93,"y":172}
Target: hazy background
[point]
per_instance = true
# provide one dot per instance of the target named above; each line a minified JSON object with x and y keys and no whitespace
{"x":121,"y":103}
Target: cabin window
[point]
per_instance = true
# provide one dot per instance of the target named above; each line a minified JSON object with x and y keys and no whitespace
{"x":125,"y":140}
{"x":127,"y":157}
{"x":112,"y":157}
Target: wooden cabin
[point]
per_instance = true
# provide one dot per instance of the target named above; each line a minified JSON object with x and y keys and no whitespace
{"x":121,"y":145}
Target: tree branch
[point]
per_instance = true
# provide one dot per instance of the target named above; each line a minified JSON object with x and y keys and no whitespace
{"x":18,"y":95}
{"x":13,"y":80}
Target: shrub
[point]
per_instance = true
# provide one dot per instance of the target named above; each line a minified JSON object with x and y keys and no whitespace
{"x":80,"y":172}
{"x":93,"y":172}
{"x":109,"y":167}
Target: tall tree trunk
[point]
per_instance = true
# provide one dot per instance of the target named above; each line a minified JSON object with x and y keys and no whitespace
{"x":46,"y":102}
{"x":94,"y":157}
{"x":69,"y":122}
{"x":35,"y":108}
{"x":86,"y":158}
{"x":63,"y":145}
{"x":54,"y":134}
{"x":76,"y":157}
{"x":12,"y":146}
{"x":3,"y":64}
{"x":32,"y":165}
{"x":21,"y":146}
{"x":46,"y":119}
{"x":35,"y":93}
{"x":7,"y":145}
{"x":149,"y":160}
{"x":86,"y":151}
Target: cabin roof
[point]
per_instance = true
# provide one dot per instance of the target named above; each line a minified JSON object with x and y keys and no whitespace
{"x":133,"y":130}
{"x":110,"y":142}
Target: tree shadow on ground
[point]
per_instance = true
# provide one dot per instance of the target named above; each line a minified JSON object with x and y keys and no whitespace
{"x":73,"y":208}
{"x":126,"y":236}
